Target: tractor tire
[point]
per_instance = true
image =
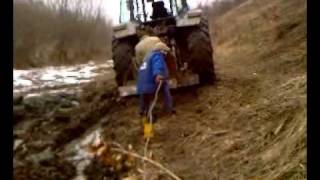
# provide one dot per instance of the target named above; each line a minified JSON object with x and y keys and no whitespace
{"x":122,"y":54}
{"x":201,"y":53}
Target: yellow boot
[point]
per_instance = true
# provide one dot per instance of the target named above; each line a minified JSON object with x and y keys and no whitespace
{"x":147,"y":129}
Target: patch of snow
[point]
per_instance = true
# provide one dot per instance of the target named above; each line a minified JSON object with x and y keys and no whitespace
{"x":48,"y":77}
{"x":54,"y":77}
{"x":71,"y":81}
{"x":22,"y":82}
{"x":32,"y":95}
{"x":82,"y":158}
{"x":70,"y":74}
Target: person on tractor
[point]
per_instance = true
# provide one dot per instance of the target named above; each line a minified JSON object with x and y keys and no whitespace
{"x":152,"y":71}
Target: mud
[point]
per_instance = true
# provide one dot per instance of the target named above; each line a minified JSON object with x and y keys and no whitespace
{"x":53,"y":169}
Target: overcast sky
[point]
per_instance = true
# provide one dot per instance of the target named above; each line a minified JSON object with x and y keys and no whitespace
{"x":111,"y":8}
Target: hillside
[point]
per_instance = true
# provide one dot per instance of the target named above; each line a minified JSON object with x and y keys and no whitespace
{"x":258,"y":104}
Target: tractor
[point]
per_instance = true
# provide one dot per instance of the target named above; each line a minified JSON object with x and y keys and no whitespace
{"x":185,"y":31}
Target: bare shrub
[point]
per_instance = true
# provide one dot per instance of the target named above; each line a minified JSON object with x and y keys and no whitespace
{"x":216,"y":9}
{"x":55,"y":32}
{"x":219,"y":7}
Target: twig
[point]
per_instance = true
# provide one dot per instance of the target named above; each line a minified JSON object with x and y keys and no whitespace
{"x":151,"y":121}
{"x":189,"y":137}
{"x":221,"y":132}
{"x":280,"y":127}
{"x":117,"y":144}
{"x":148,"y":160}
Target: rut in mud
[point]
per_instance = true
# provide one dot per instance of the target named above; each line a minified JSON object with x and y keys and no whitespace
{"x":250,"y":125}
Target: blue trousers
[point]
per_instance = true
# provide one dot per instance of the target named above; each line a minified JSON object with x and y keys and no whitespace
{"x":146,"y":100}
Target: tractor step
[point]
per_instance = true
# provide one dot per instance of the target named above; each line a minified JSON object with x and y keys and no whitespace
{"x":184,"y":81}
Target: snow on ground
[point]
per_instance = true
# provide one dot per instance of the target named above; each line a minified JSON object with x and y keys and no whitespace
{"x":78,"y":151}
{"x":39,"y":79}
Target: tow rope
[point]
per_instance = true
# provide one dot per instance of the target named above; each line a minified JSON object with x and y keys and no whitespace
{"x":148,"y":125}
{"x":148,"y":121}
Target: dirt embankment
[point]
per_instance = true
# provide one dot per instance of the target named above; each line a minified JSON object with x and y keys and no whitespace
{"x":250,"y":125}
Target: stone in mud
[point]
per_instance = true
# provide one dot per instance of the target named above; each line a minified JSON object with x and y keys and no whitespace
{"x":63,"y":114}
{"x":40,"y":145}
{"x":19,"y":112}
{"x":17,"y":100}
{"x":66,"y":103}
{"x":34,"y":104}
{"x":17,"y":163}
{"x":49,"y":100}
{"x":54,"y":98}
{"x":75,"y":103}
{"x":42,"y":157}
{"x":25,"y":127}
{"x":17,"y":144}
{"x":19,"y":133}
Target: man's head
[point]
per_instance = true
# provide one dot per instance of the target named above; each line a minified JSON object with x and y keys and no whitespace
{"x":160,"y":46}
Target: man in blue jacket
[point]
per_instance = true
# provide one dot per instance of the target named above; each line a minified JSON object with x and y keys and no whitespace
{"x":153,"y":70}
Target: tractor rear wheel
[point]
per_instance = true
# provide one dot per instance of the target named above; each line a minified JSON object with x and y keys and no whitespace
{"x":123,"y":53}
{"x":200,"y":49}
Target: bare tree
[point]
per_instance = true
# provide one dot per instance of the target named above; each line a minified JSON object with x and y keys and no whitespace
{"x":144,"y":10}
{"x":53,"y":32}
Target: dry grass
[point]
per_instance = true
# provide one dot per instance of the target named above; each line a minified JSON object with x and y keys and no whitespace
{"x":219,"y":7}
{"x":268,"y":39}
{"x":259,"y":103}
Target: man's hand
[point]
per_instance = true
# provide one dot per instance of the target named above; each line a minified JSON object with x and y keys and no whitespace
{"x":159,"y":78}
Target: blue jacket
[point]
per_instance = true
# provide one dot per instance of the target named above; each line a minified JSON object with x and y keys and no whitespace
{"x":153,"y":65}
